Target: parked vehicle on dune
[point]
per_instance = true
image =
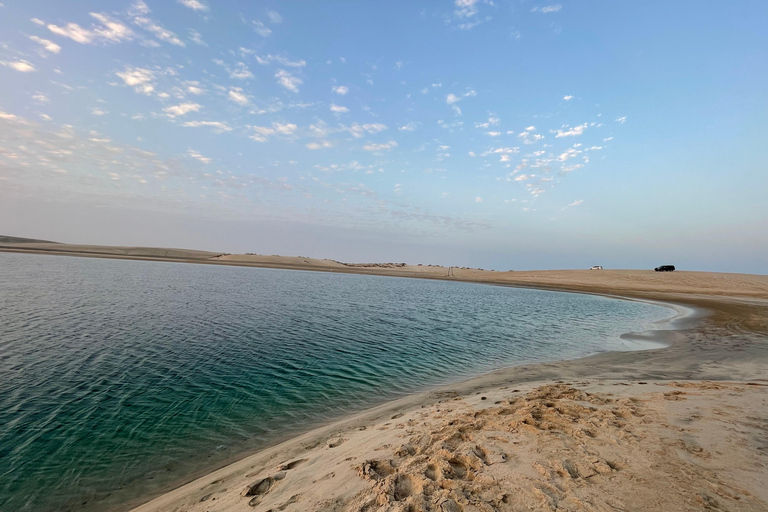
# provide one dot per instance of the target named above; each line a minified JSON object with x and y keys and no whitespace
{"x":596,"y":267}
{"x":665,"y":268}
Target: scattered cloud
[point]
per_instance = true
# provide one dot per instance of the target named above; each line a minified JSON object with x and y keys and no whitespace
{"x":138,"y":78}
{"x":548,"y":9}
{"x":288,"y":81}
{"x":196,"y":37}
{"x":195,"y":5}
{"x":380,"y":147}
{"x":274,"y":17}
{"x":268,"y":59}
{"x":261,"y":29}
{"x":410,"y":127}
{"x":339,"y":109}
{"x":40,"y":98}
{"x":197,"y":156}
{"x":340,"y":89}
{"x":319,"y":145}
{"x":182,"y":109}
{"x":19,"y":65}
{"x":478,"y":199}
{"x":621,"y":120}
{"x":568,"y":97}
{"x":236,"y":94}
{"x":575,"y":203}
{"x":107,"y":30}
{"x":218,"y":126}
{"x":158,"y":30}
{"x":359,"y":130}
{"x":47,"y":45}
{"x":570,"y":132}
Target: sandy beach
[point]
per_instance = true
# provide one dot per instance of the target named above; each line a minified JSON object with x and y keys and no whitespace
{"x":677,"y":428}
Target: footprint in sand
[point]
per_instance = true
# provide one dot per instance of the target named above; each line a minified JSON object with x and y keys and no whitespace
{"x":290,"y":465}
{"x":336,"y":441}
{"x":260,"y":488}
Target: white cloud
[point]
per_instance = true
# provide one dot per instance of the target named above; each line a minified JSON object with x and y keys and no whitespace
{"x":522,"y":177}
{"x":197,"y":156}
{"x":19,"y":65}
{"x":194,"y":88}
{"x":218,"y":126}
{"x":196,"y":37}
{"x":40,"y":98}
{"x":493,"y":134}
{"x":236,"y":95}
{"x":568,"y":97}
{"x":548,"y":9}
{"x":319,"y":145}
{"x":261,"y":28}
{"x":262,"y":133}
{"x":284,"y":129}
{"x":158,"y":30}
{"x":478,"y":199}
{"x":195,"y":5}
{"x":410,"y":127}
{"x":241,"y":71}
{"x":138,"y":8}
{"x":138,"y":78}
{"x":288,"y":81}
{"x":98,"y":112}
{"x":182,"y":109}
{"x":621,"y":120}
{"x":380,"y":147}
{"x":465,"y":8}
{"x":607,"y":139}
{"x":568,"y":153}
{"x":109,"y":30}
{"x":340,"y":89}
{"x":274,"y":17}
{"x":358,"y":130}
{"x":575,"y":203}
{"x":338,"y":108}
{"x":267,"y":59}
{"x":571,"y":132}
{"x":528,"y":137}
{"x":47,"y":45}
{"x":451,"y":99}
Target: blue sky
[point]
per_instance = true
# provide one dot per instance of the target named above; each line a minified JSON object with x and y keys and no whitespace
{"x":500,"y":134}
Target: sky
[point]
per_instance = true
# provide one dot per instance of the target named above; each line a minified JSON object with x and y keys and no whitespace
{"x":494,"y":134}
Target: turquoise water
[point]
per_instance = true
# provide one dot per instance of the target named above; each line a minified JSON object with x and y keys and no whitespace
{"x":119,"y":379}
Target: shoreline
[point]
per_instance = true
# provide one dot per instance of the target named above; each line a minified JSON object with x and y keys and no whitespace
{"x":722,"y":338}
{"x":675,"y":333}
{"x":663,"y":336}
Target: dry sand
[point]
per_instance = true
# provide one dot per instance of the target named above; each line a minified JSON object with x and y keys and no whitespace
{"x":679,"y":428}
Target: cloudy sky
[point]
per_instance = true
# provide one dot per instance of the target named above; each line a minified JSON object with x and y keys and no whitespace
{"x":501,"y":134}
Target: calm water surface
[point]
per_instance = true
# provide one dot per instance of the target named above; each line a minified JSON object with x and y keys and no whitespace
{"x":121,"y":378}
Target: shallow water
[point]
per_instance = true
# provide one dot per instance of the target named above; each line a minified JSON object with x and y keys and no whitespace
{"x":120,"y":378}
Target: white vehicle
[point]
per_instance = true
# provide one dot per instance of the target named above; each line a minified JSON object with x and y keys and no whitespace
{"x":596,"y":267}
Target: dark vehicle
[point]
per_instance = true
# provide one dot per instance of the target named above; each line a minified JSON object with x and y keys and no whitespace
{"x":665,"y":268}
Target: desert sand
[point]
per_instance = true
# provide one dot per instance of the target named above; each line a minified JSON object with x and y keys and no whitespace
{"x":677,"y":428}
